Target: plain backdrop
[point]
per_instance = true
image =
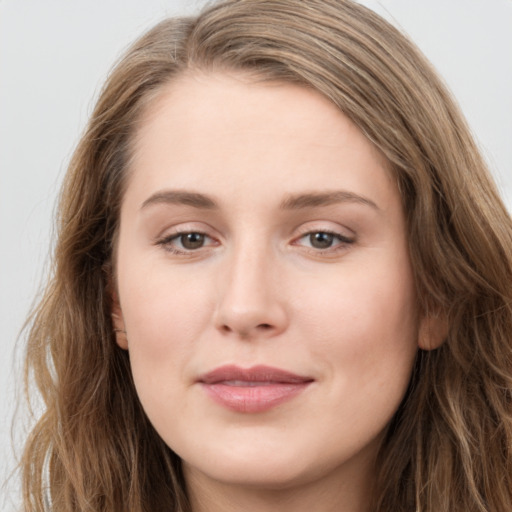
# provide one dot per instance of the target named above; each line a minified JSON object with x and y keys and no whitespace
{"x":54,"y":56}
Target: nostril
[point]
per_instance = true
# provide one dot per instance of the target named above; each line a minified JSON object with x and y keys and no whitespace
{"x":265,"y":327}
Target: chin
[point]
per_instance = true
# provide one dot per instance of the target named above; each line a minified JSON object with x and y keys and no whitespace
{"x":269,"y":474}
{"x":257,"y":463}
{"x":270,"y":465}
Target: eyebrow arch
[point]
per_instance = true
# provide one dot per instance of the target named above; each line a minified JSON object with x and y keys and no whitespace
{"x":181,"y":197}
{"x":315,"y":199}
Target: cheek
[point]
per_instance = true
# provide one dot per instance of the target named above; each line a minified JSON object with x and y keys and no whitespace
{"x":367,"y":339}
{"x":366,"y":322}
{"x":164,"y":317}
{"x":160,"y":305}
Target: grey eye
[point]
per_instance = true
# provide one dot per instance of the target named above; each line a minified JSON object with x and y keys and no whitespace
{"x":321,"y":240}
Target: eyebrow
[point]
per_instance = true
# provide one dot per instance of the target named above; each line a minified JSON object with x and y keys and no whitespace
{"x":181,"y":197}
{"x":316,"y":199}
{"x":292,"y":202}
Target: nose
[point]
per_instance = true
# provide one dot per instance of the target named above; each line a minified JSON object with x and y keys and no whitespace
{"x":251,"y":302}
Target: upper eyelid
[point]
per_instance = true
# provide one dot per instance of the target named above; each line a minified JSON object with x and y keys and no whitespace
{"x":305,"y":228}
{"x":187,"y":227}
{"x":342,"y":231}
{"x":324,"y":230}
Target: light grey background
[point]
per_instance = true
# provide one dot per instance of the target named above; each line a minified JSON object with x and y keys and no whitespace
{"x":54,"y":56}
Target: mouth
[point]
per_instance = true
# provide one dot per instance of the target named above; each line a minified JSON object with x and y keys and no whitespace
{"x":252,"y":390}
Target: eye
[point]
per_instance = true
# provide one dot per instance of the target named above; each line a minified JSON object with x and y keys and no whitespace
{"x":186,"y":242}
{"x":191,"y":241}
{"x":323,"y":240}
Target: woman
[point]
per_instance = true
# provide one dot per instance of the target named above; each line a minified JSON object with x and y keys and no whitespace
{"x":282,"y":280}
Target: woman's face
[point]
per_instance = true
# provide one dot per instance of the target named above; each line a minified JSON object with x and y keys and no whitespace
{"x":264,"y":283}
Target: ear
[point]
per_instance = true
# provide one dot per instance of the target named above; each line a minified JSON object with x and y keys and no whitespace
{"x":118,"y":322}
{"x":433,"y":330}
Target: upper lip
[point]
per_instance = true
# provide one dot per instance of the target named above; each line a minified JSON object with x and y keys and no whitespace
{"x":260,"y":373}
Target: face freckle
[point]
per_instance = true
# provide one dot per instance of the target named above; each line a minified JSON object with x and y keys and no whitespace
{"x":264,"y":283}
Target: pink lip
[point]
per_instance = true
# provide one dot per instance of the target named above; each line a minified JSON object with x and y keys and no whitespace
{"x":252,"y":390}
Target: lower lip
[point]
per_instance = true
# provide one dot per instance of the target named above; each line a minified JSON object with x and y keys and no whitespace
{"x":253,"y":399}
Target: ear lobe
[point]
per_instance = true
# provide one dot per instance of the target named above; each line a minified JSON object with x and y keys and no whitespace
{"x":118,"y":323}
{"x":433,"y":331}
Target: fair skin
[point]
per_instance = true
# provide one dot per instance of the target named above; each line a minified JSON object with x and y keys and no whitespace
{"x":260,"y":227}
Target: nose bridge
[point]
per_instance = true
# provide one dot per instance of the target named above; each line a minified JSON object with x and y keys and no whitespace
{"x":250,"y":301}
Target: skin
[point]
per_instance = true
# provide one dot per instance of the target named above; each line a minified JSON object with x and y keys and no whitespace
{"x":257,"y":289}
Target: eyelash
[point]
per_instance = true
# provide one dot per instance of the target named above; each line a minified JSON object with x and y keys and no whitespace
{"x":343,"y":242}
{"x":167,"y":241}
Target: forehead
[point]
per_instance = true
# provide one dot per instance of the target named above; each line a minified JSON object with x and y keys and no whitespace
{"x":206,"y":129}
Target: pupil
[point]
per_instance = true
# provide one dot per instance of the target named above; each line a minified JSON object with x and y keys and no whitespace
{"x":192,"y":240}
{"x":321,"y":240}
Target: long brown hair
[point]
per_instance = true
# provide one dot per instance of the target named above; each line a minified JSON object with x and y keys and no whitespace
{"x":449,"y":446}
